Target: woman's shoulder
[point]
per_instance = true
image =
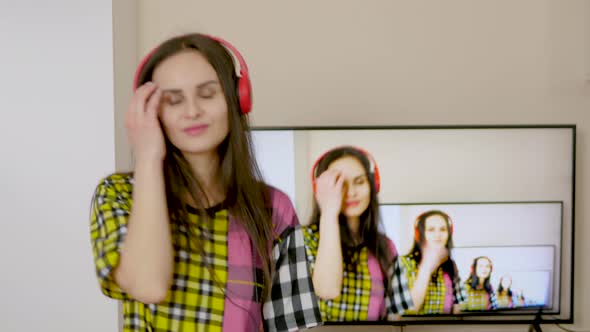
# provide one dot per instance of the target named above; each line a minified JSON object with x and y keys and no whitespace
{"x":311,"y":236}
{"x":117,"y":183}
{"x":467,"y":284}
{"x":283,"y":213}
{"x":408,"y":260}
{"x":278,"y":197}
{"x":390,"y":245}
{"x":312,"y":228}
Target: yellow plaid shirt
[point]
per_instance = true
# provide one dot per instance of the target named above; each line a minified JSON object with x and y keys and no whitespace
{"x":363,"y":296}
{"x":194,"y":301}
{"x":437,"y":293}
{"x":477,"y":299}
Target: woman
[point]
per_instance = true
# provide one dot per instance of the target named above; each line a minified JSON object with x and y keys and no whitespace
{"x":505,"y":297}
{"x":478,"y":292}
{"x":433,"y":276}
{"x":192,"y":239}
{"x":355,"y":273}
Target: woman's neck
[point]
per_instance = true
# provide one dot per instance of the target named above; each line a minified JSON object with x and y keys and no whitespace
{"x":480,"y":283}
{"x":205,"y":167}
{"x":354,"y":227}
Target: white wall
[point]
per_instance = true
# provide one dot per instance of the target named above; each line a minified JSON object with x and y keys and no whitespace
{"x":56,"y":140}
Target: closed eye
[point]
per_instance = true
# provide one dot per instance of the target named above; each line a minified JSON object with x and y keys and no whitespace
{"x":207,"y":92}
{"x":359,"y":180}
{"x":173,"y":98}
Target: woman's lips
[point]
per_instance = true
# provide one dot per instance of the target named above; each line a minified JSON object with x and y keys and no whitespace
{"x":196,"y":130}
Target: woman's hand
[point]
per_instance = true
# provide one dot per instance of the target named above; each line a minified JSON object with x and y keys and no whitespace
{"x":433,"y":256}
{"x":143,"y":127}
{"x":329,"y":192}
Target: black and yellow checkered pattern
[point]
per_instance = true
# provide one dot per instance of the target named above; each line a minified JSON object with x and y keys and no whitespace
{"x":195,"y":302}
{"x":436,"y":293}
{"x":477,"y":299}
{"x":353,"y":302}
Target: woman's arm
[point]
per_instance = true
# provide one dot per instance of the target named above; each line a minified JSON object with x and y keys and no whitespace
{"x":432,"y":257}
{"x":420,"y":287}
{"x":327,"y":272}
{"x":146,"y":264}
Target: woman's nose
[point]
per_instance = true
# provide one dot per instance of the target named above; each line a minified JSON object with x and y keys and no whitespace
{"x":193,"y":109}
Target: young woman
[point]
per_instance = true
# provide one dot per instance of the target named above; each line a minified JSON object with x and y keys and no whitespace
{"x":355,"y":272}
{"x":478,"y":292}
{"x":433,"y":276}
{"x":192,"y":239}
{"x":505,"y":297}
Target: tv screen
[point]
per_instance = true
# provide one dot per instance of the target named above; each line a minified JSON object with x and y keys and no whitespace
{"x":503,"y":196}
{"x":518,"y":240}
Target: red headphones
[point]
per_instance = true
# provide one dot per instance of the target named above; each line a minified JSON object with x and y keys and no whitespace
{"x":375,"y":172}
{"x":423,"y":216}
{"x":244,"y":84}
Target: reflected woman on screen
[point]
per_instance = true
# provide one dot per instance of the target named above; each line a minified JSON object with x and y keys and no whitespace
{"x":505,"y":297}
{"x":355,"y":272}
{"x":433,"y":276}
{"x":193,"y":239}
{"x":478,"y":292}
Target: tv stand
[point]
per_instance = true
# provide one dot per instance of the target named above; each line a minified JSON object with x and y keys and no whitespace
{"x":536,"y":324}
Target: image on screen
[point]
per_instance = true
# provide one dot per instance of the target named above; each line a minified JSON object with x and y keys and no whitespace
{"x":495,"y":240}
{"x":500,"y":256}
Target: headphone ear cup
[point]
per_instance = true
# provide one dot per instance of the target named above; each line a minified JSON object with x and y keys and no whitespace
{"x":377,"y":179}
{"x":245,"y":93}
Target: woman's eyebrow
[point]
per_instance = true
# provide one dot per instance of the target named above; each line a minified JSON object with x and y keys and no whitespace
{"x":172,"y":91}
{"x":199,"y":86}
{"x":207,"y":83}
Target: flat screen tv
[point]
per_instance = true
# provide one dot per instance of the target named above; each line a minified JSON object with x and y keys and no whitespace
{"x":508,"y":191}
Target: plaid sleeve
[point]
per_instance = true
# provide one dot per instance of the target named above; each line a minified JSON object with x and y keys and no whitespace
{"x":292,"y":304}
{"x":399,"y":299}
{"x":463,"y":291}
{"x":458,"y":294}
{"x":311,"y":240}
{"x":108,"y":227}
{"x":493,"y":301}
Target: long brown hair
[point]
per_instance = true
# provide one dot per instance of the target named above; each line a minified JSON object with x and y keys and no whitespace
{"x":247,"y":197}
{"x":375,"y":241}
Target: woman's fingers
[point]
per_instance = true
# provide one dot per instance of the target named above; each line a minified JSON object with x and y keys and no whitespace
{"x":142,"y":95}
{"x":153,"y":104}
{"x":339,"y":181}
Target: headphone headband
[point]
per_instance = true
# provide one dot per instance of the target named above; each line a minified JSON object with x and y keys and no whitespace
{"x":244,"y":85}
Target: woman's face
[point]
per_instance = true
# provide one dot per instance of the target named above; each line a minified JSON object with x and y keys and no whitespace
{"x":483,"y":268}
{"x":357,"y":188}
{"x":193,"y":109}
{"x":436,"y":231}
{"x":506,"y":282}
